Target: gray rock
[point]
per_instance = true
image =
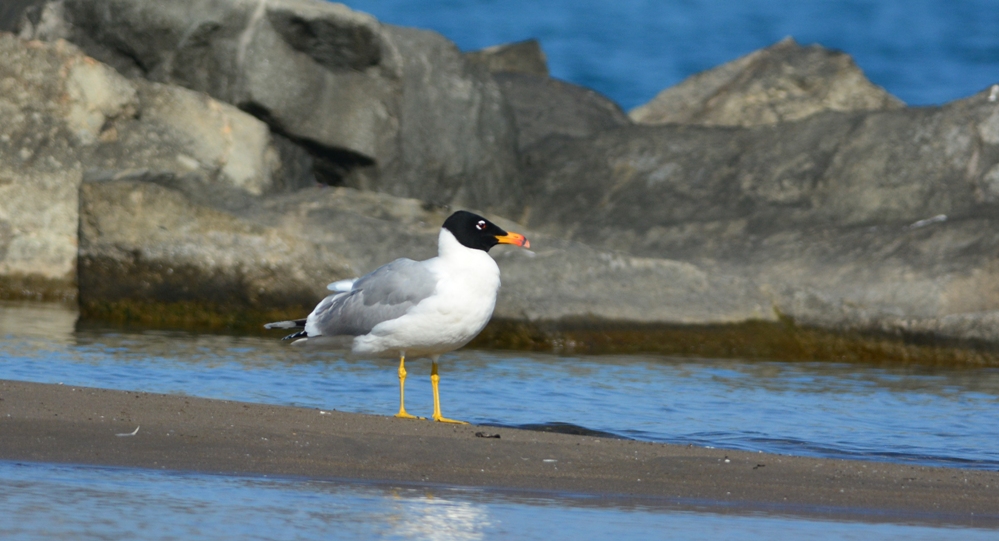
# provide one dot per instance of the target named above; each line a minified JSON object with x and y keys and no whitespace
{"x":880,"y":221}
{"x":68,"y":117}
{"x":15,"y":14}
{"x":569,"y":282}
{"x":457,"y":142}
{"x":376,"y":107}
{"x":146,"y":243}
{"x":188,"y":134}
{"x":520,"y":57}
{"x":863,"y":220}
{"x":149,"y":241}
{"x":780,"y":83}
{"x":544,"y":107}
{"x":237,"y":52}
{"x":634,"y":187}
{"x":141,"y":242}
{"x":53,"y":103}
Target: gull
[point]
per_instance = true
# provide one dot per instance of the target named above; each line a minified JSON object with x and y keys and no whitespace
{"x":420,"y":308}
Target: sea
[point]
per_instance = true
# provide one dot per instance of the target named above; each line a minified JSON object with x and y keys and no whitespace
{"x":932,"y":416}
{"x":924,"y":52}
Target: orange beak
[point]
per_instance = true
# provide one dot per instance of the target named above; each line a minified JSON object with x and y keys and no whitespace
{"x":514,"y":238}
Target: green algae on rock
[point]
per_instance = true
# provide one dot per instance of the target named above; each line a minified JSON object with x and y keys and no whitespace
{"x":765,"y":340}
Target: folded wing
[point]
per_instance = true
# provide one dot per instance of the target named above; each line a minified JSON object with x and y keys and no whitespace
{"x":387,"y":293}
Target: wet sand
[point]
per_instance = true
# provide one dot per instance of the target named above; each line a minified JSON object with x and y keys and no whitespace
{"x":57,"y":423}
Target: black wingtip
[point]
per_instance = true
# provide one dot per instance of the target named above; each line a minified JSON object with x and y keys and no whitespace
{"x":299,"y":334}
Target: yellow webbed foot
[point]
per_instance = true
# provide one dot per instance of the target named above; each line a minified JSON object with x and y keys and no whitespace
{"x":441,"y":419}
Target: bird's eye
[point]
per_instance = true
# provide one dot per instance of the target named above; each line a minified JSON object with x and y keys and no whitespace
{"x":480,"y":225}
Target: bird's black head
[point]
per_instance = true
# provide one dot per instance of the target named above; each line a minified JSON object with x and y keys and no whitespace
{"x":478,"y":233}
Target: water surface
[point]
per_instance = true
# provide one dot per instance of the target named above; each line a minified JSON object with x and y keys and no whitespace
{"x":922,"y":51}
{"x":928,"y":416}
{"x":76,"y":502}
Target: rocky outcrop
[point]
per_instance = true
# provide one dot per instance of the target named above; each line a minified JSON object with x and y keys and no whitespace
{"x":54,"y":103}
{"x":544,"y":107}
{"x":639,"y":188}
{"x":521,"y":57}
{"x":192,"y":170}
{"x":67,"y":118}
{"x":142,"y":243}
{"x":875,"y":221}
{"x":780,"y":83}
{"x":377,"y":107}
{"x":190,"y":137}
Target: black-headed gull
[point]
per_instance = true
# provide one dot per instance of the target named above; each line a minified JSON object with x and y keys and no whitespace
{"x":420,"y":308}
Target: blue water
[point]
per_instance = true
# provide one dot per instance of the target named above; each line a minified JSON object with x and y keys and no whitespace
{"x":937,"y":417}
{"x":922,"y":51}
{"x":74,"y":502}
{"x":941,"y":417}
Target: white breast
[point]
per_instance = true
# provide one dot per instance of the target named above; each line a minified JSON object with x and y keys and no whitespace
{"x":463,"y":302}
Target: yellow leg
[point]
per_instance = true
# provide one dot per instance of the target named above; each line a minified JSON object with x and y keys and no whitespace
{"x":402,"y":389}
{"x":434,"y":379}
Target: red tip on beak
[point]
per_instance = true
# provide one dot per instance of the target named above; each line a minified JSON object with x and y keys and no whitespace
{"x":514,"y":238}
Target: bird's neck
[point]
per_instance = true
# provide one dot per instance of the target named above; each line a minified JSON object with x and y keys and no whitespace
{"x":448,"y":248}
{"x":472,"y":274}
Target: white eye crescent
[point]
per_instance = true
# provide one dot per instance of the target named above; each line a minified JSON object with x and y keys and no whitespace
{"x":480,"y":225}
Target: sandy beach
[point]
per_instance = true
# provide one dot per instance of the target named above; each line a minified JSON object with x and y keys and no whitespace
{"x":64,"y":424}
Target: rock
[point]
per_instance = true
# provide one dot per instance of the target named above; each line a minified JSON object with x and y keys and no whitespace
{"x":153,"y":252}
{"x":188,"y":134}
{"x":457,"y":141}
{"x":238,"y":52}
{"x":145,"y":243}
{"x":68,"y":117}
{"x":188,"y":209}
{"x":543,"y":107}
{"x":53,"y":102}
{"x":569,"y":282}
{"x":520,"y":57}
{"x":878,"y":221}
{"x":144,"y":246}
{"x":376,"y":107}
{"x":780,"y":83}
{"x":841,"y":169}
{"x":14,"y":14}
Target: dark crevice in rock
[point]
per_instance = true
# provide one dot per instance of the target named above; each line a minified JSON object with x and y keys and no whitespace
{"x":330,"y":166}
{"x":333,"y":46}
{"x":337,"y":167}
{"x":93,"y":31}
{"x":12,"y":12}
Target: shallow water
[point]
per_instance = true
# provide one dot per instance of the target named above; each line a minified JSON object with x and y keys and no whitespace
{"x":922,"y":51}
{"x":931,"y":416}
{"x":76,"y":502}
{"x":927,"y":416}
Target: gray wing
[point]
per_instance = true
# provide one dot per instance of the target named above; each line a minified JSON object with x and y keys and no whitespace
{"x":386,"y":293}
